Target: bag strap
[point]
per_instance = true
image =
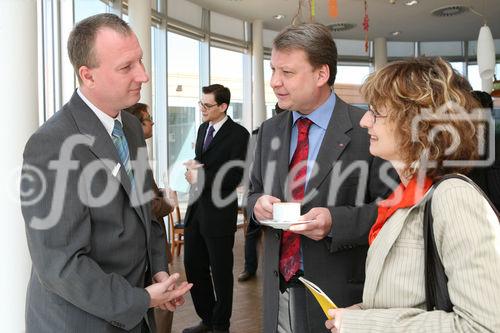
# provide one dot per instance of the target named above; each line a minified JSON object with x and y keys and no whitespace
{"x":436,"y":281}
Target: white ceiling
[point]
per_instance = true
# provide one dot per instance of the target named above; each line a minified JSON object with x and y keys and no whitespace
{"x":415,"y":23}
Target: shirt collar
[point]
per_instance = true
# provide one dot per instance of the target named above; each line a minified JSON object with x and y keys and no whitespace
{"x":106,"y":120}
{"x":321,"y":116}
{"x":218,"y":124}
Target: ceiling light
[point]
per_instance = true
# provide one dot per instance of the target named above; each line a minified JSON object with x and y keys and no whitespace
{"x":279,"y":17}
{"x":341,"y":26}
{"x":451,"y":10}
{"x":411,"y":3}
{"x":396,"y":33}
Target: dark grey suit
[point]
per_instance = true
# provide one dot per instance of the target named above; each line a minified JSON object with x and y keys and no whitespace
{"x":89,"y":269}
{"x":336,"y":263}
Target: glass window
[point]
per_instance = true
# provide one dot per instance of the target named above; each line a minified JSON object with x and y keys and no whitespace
{"x":400,"y":49}
{"x":183,"y":96}
{"x":270,"y":97}
{"x":86,"y":8}
{"x":351,"y":47}
{"x":352,"y":74}
{"x":226,"y":68}
{"x":475,"y":79}
{"x":441,"y":49}
{"x":458,"y":66}
{"x":473,"y":47}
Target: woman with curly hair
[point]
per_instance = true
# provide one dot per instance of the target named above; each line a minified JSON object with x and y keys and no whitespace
{"x":422,"y":120}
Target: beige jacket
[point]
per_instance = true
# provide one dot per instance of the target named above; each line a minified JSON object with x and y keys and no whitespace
{"x":467,"y":234}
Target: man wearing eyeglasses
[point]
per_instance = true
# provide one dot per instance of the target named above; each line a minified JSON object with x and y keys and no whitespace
{"x":210,"y":223}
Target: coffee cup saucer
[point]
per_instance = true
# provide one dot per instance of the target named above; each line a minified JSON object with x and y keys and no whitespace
{"x":283,"y":225}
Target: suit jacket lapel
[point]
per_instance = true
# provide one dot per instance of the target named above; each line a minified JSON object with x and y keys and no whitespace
{"x":103,"y":147}
{"x":381,"y":246}
{"x":334,"y":143}
{"x":284,"y":134}
{"x":133,"y":147}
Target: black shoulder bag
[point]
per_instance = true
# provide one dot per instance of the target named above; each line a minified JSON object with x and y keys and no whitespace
{"x":436,"y":281}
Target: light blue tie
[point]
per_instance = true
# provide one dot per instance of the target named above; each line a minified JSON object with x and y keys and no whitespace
{"x":122,"y":147}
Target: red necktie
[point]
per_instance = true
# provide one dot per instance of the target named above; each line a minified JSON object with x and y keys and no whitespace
{"x":290,"y":241}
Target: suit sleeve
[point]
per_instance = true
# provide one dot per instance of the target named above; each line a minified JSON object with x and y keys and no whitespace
{"x":467,"y":234}
{"x":255,"y":186}
{"x":158,"y":237}
{"x":60,"y":246}
{"x":351,"y":224}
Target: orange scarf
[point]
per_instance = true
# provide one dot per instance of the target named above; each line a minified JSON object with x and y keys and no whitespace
{"x":410,"y":195}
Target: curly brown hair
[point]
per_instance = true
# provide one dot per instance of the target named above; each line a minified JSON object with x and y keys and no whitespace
{"x":430,"y":106}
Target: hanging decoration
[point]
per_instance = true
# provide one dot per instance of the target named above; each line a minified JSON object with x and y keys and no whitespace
{"x":303,"y":4}
{"x":333,"y":10}
{"x":297,"y":19}
{"x":366,"y":26}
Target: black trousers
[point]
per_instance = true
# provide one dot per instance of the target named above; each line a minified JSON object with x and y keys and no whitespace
{"x":208,"y":259}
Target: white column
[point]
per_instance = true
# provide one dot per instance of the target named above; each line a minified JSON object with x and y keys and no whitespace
{"x":68,"y":81}
{"x":18,"y":92}
{"x":139,"y":13}
{"x":380,"y":52}
{"x":259,"y":104}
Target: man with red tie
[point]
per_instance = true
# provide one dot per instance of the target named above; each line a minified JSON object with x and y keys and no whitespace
{"x":210,"y":221}
{"x":317,"y":155}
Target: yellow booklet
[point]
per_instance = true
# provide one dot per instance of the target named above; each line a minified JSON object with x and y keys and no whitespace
{"x":324,"y":301}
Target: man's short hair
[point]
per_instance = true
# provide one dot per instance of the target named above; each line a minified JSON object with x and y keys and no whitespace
{"x":315,"y":40}
{"x":137,"y":110}
{"x":82,"y":38}
{"x":221,"y":93}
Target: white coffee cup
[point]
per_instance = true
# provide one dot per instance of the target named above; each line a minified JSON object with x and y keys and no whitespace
{"x":286,"y":211}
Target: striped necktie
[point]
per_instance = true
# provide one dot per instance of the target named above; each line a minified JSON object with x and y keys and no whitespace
{"x":122,"y":147}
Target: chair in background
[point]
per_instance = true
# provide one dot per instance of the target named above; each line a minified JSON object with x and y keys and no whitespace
{"x":176,"y":225}
{"x":240,"y":192}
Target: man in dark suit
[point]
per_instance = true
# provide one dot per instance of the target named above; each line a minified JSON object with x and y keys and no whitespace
{"x":99,"y":261}
{"x":331,"y":173}
{"x":210,"y":221}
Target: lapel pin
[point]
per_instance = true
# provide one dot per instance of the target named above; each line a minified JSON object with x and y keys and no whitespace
{"x":340,"y":144}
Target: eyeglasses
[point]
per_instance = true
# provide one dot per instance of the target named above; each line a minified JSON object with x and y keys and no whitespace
{"x":206,"y":106}
{"x":374,"y":115}
{"x":147,"y":118}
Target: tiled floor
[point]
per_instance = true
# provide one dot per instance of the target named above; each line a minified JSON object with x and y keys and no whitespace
{"x":247,"y":314}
